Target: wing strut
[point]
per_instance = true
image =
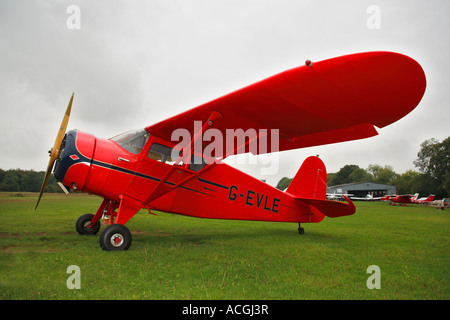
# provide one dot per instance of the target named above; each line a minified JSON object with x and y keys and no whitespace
{"x":183,"y":161}
{"x":162,"y":187}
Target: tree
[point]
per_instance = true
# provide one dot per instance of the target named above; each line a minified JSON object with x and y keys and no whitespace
{"x":17,"y":180}
{"x":284,"y":183}
{"x":343,"y":175}
{"x":445,"y":183}
{"x":360,"y":175}
{"x":434,"y":161}
{"x":425,"y":185}
{"x":348,"y":174}
{"x":31,"y":181}
{"x":406,"y":182}
{"x":427,"y":156}
{"x":10,"y":181}
{"x":330,"y":179}
{"x":385,"y":175}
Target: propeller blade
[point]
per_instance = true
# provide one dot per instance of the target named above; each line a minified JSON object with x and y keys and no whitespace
{"x":62,"y":130}
{"x":55,"y":150}
{"x":44,"y":183}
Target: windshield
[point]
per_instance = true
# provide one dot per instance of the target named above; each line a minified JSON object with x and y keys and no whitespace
{"x":132,"y":141}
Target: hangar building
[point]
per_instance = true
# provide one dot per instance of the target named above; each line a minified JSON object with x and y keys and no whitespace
{"x":361,"y":189}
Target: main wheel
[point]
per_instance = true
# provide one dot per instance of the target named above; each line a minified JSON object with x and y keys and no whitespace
{"x":83,"y":223}
{"x":115,"y":237}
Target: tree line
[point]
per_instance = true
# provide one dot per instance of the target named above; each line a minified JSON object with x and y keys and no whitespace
{"x":432,"y":175}
{"x":18,"y":180}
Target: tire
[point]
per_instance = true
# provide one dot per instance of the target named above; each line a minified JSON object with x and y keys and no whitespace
{"x":115,"y":237}
{"x":83,"y":222}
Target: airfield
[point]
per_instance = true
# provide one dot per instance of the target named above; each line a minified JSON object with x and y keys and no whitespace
{"x":177,"y":257}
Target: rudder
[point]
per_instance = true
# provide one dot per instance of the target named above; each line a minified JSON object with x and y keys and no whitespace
{"x":310,"y":182}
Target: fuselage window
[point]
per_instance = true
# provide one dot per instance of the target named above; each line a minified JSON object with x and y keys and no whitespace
{"x":168,"y":155}
{"x":161,"y":153}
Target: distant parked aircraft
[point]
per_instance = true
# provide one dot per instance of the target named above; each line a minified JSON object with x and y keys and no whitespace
{"x":368,"y":197}
{"x":402,"y":199}
{"x":423,"y":200}
{"x":338,"y":196}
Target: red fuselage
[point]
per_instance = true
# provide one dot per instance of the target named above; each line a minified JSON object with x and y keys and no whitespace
{"x":401,"y":199}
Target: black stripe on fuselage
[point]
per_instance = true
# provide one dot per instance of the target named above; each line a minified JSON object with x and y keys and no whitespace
{"x":212,"y":183}
{"x":141,"y":175}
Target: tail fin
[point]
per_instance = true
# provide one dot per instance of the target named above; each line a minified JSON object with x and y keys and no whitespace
{"x":310,"y":182}
{"x":310,"y":185}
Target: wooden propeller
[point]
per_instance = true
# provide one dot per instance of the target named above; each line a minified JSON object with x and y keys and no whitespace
{"x":54,"y":152}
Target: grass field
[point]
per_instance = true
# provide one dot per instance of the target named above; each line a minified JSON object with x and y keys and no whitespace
{"x":177,"y":257}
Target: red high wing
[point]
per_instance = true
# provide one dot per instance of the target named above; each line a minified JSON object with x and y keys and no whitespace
{"x":334,"y":100}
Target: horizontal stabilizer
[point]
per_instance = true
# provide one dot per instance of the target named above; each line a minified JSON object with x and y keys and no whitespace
{"x":330,"y":208}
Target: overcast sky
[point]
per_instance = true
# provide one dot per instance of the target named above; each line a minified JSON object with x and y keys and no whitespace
{"x":134,"y":63}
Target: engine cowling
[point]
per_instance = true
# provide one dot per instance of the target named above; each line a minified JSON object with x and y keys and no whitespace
{"x":75,"y":159}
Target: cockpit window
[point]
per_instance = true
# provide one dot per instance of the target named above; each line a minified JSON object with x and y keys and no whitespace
{"x":132,"y":141}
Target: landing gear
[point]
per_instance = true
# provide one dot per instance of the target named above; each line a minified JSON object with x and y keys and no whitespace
{"x":300,"y":229}
{"x":84,"y":222}
{"x":115,"y":237}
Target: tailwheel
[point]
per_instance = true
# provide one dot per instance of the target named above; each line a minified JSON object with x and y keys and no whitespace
{"x":115,"y":237}
{"x":300,"y":229}
{"x":84,"y":222}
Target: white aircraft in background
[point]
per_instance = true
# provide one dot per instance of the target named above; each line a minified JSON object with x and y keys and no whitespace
{"x":368,"y":197}
{"x":338,"y":196}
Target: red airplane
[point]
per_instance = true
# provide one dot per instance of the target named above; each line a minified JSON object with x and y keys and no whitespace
{"x":402,"y":199}
{"x":407,"y":198}
{"x":424,"y":200}
{"x":330,"y":101}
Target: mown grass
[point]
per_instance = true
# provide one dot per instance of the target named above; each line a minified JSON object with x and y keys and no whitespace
{"x":177,"y":257}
